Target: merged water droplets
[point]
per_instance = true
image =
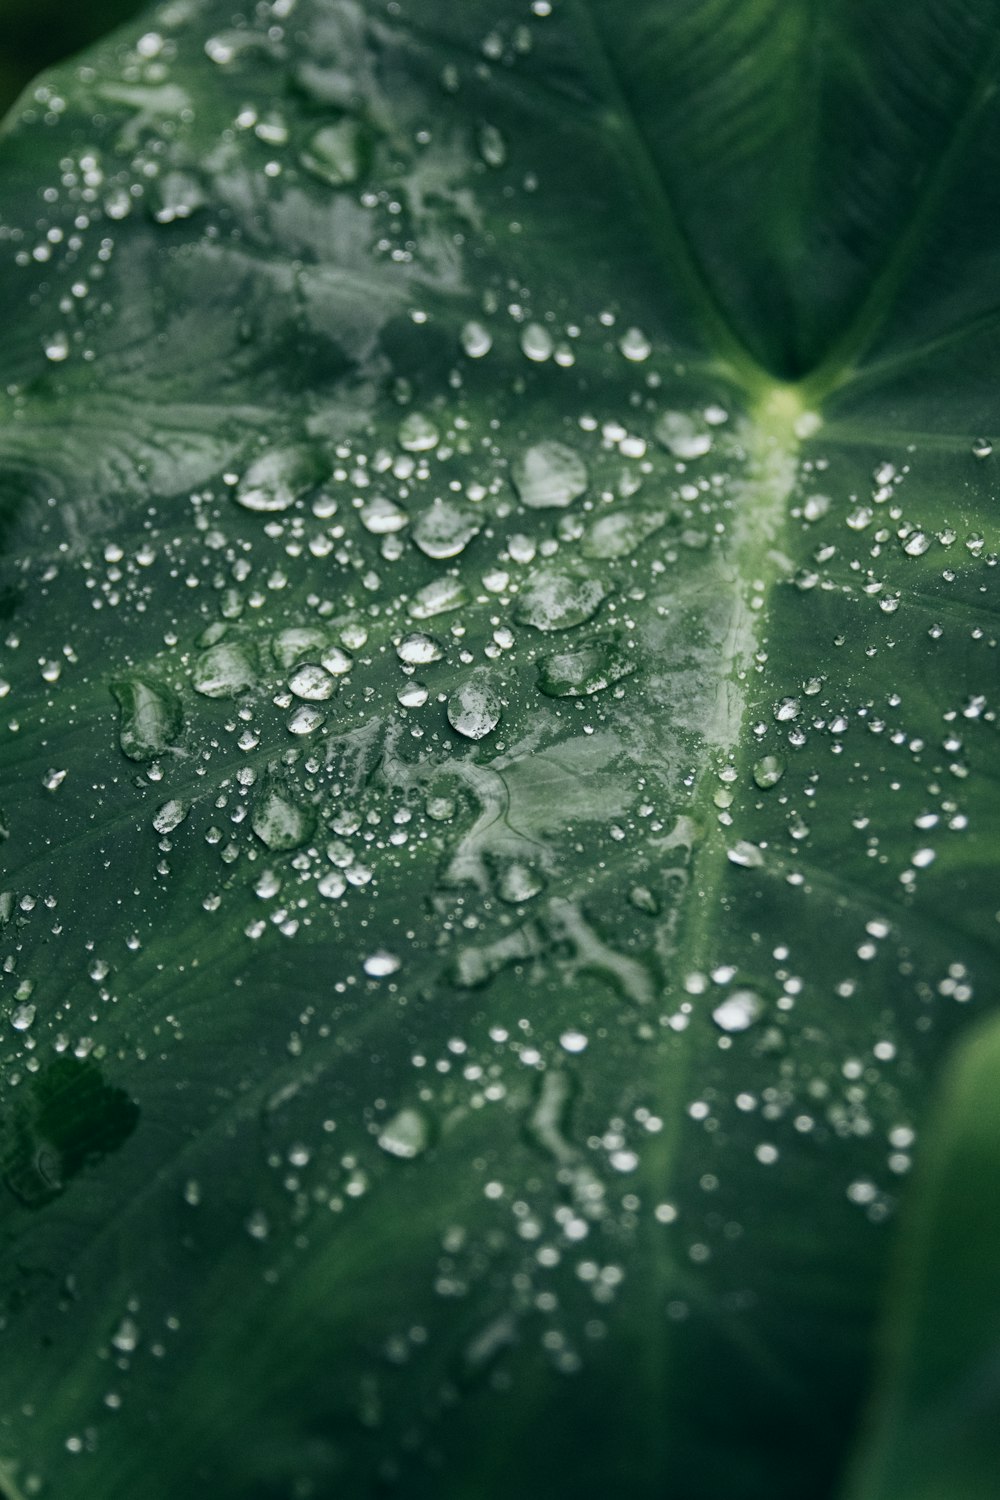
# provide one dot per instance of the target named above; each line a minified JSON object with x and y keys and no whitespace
{"x":586,"y":670}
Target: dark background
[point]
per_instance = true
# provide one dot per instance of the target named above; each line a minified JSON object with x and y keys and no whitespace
{"x":36,"y":33}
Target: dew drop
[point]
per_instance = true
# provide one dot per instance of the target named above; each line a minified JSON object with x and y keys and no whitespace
{"x":477,"y":340}
{"x":406,"y":1135}
{"x":474,"y":707}
{"x":278,"y":478}
{"x":768,"y":771}
{"x":738,"y":1011}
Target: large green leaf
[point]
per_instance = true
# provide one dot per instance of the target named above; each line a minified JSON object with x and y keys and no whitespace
{"x":935,"y":1429}
{"x":506,"y":1086}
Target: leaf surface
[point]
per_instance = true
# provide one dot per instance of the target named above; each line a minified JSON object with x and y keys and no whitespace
{"x":500,"y":768}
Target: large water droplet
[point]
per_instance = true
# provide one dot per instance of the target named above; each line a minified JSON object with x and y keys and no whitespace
{"x":279,"y":822}
{"x":474,"y":707}
{"x":768,"y":771}
{"x":536,"y":342}
{"x":406,"y":1135}
{"x":419,"y":650}
{"x":575,"y":674}
{"x":738,"y":1011}
{"x":417,"y":433}
{"x":151,"y":718}
{"x":682,"y":435}
{"x":224,"y":670}
{"x":558,"y":598}
{"x":492,"y":146}
{"x":170,"y":816}
{"x":549,"y":475}
{"x":445,"y":529}
{"x":278,"y":478}
{"x":312,"y":683}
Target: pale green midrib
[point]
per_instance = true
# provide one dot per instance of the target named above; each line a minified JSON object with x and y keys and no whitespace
{"x":664,"y":222}
{"x":759,"y":521}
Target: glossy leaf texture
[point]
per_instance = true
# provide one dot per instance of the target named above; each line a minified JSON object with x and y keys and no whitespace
{"x":499,"y":766}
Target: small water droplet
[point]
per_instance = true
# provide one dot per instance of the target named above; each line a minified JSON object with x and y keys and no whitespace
{"x":22,"y":1017}
{"x":170,"y":816}
{"x":476,"y":339}
{"x":492,"y":146}
{"x":417,"y":433}
{"x":916,"y":544}
{"x":419,"y":650}
{"x":635,"y":345}
{"x":312,"y":683}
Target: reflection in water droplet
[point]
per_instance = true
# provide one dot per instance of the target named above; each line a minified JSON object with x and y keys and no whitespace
{"x":635,"y":345}
{"x":474,"y":708}
{"x":549,"y":475}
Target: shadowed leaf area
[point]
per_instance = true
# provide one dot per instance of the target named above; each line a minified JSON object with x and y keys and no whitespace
{"x":499,"y":766}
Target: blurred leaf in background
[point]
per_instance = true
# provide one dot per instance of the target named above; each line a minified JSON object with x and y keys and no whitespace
{"x":36,"y":33}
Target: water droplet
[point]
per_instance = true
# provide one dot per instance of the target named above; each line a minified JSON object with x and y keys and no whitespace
{"x":476,"y":340}
{"x":22,"y":1017}
{"x":492,"y":146}
{"x":575,"y":674}
{"x":419,"y":650}
{"x":336,"y":660}
{"x":738,"y":1011}
{"x":746,"y":854}
{"x":982,"y":448}
{"x":305,"y":720}
{"x":312,"y":683}
{"x":278,"y":478}
{"x":621,"y":533}
{"x":176,"y":195}
{"x":336,"y":153}
{"x":635,"y":345}
{"x":474,"y":707}
{"x":549,"y":475}
{"x":682,"y":435}
{"x":278,"y":822}
{"x":382,"y":517}
{"x":786,"y":709}
{"x":536,"y":342}
{"x":438,"y":598}
{"x":815,"y":507}
{"x":445,"y":529}
{"x":573,"y":1041}
{"x":557,"y":599}
{"x":417,"y":433}
{"x":412,"y":695}
{"x":151,"y":717}
{"x":170,"y":816}
{"x":768,"y":771}
{"x":224,"y":670}
{"x":406,"y":1135}
{"x":381,"y":964}
{"x":290,"y":646}
{"x":916,"y":544}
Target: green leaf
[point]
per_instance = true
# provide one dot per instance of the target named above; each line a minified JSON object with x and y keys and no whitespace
{"x":500,"y":767}
{"x":934,"y":1429}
